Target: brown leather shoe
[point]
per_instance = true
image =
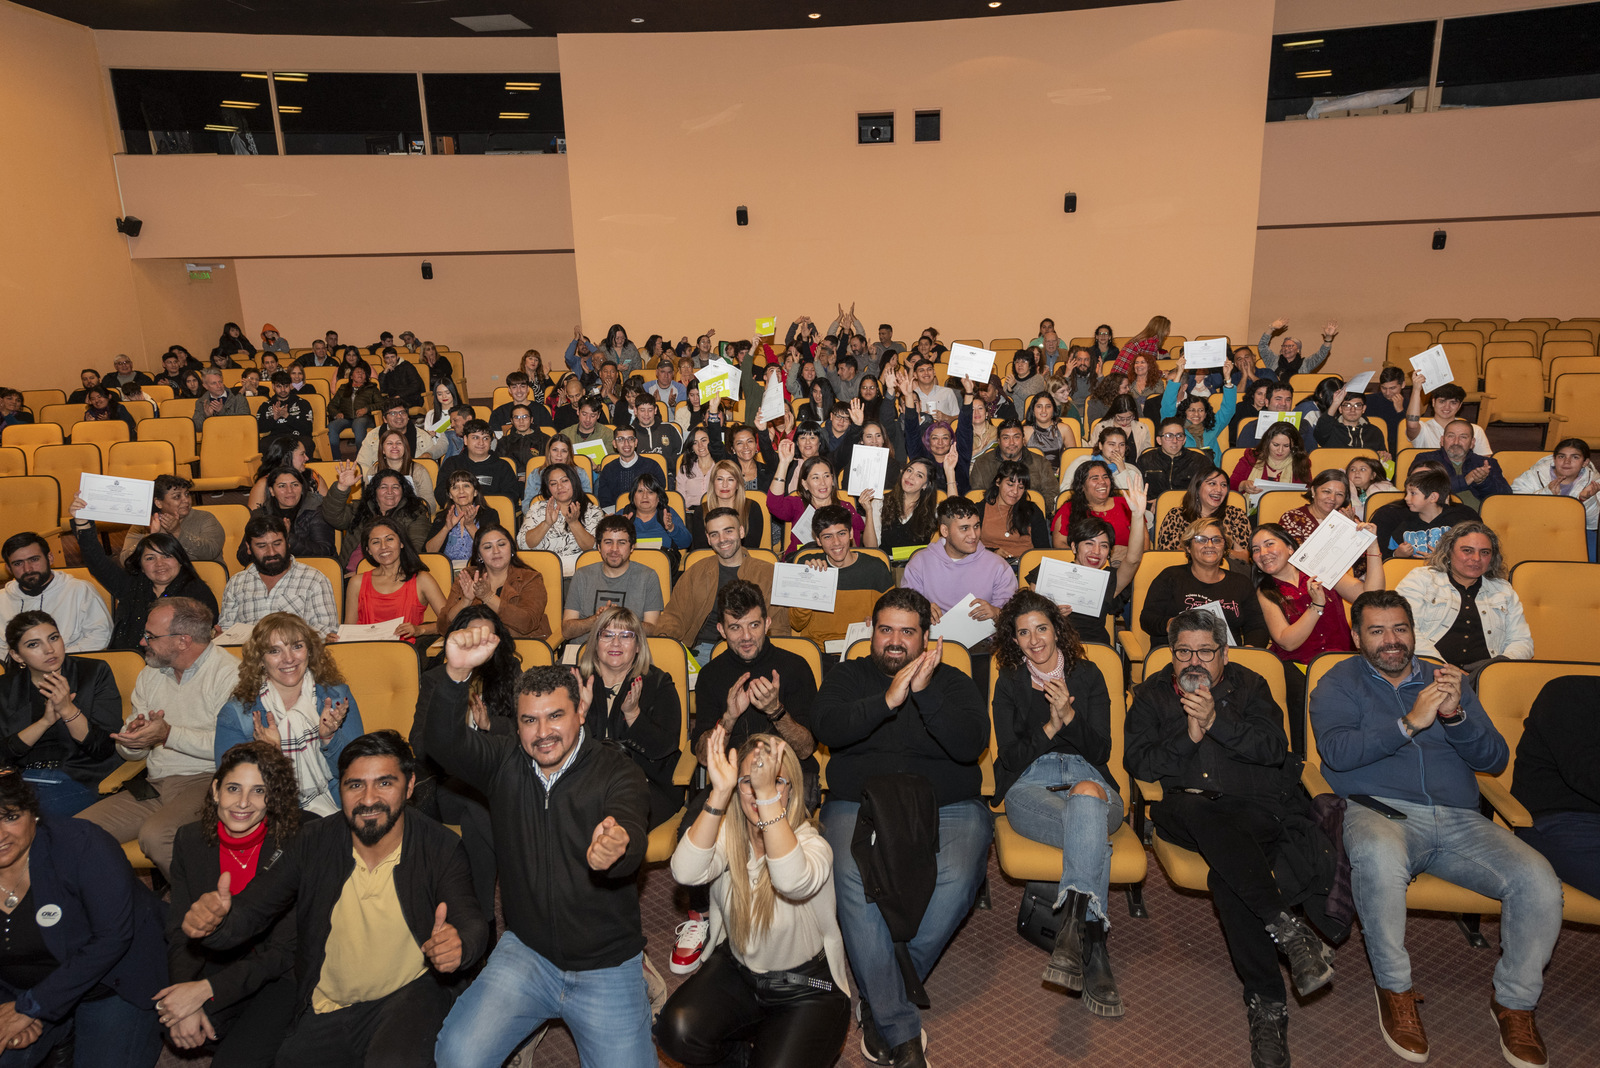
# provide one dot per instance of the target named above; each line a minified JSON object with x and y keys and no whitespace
{"x":1520,"y":1043}
{"x":1400,"y":1025}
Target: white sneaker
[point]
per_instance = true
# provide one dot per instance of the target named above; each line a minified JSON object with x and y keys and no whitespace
{"x":686,"y":954}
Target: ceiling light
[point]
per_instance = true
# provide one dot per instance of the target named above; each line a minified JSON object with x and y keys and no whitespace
{"x":514,"y":114}
{"x":241,"y":103}
{"x":521,"y":86}
{"x":1315,"y":74}
{"x":994,"y":3}
{"x":222,"y":129}
{"x":1309,"y":43}
{"x":638,"y":20}
{"x":289,"y":77}
{"x":814,"y":15}
{"x":288,"y":109}
{"x":263,"y":77}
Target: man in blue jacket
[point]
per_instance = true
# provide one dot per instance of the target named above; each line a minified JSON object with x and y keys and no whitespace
{"x":1473,"y":478}
{"x":1402,"y":738}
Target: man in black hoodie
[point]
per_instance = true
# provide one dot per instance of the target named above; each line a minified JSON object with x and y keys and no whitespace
{"x":902,"y":711}
{"x":568,"y":813}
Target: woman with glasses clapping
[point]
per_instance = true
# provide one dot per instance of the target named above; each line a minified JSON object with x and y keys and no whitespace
{"x":1203,"y":581}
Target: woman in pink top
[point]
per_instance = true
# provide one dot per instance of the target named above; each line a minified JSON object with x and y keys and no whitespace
{"x":397,"y":587}
{"x":816,"y":488}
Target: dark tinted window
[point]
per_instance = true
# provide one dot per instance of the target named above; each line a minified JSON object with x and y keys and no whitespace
{"x":1342,"y":62}
{"x":349,"y":114}
{"x":494,"y":114}
{"x":180,"y":111}
{"x":1521,"y":57}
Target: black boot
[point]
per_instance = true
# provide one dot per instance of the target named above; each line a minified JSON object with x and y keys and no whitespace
{"x":1099,"y":988}
{"x":1066,"y":959}
{"x":1269,"y":1032}
{"x":1310,"y":958}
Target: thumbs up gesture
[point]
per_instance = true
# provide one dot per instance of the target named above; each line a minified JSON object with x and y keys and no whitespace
{"x":208,"y":912}
{"x":610,"y":841}
{"x":443,"y":948}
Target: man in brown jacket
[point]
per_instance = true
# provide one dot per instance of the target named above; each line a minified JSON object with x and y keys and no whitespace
{"x":690,"y":615}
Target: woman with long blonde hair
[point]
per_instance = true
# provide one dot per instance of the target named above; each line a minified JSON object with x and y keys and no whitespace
{"x":726,"y":490}
{"x":777,"y":968}
{"x":1148,"y":341}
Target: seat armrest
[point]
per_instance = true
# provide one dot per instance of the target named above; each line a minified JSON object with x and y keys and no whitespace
{"x":113,"y":782}
{"x":1498,"y":796}
{"x":685,"y":769}
{"x":1149,"y":791}
{"x":1311,"y":778}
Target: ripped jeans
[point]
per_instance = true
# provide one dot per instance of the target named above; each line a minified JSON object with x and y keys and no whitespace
{"x":1081,"y":824}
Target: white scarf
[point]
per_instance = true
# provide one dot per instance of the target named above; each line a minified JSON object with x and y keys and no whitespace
{"x":299,"y":731}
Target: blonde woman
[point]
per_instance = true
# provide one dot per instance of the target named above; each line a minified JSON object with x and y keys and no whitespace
{"x":726,"y":490}
{"x":1149,"y":342}
{"x":777,"y":969}
{"x":626,"y":699}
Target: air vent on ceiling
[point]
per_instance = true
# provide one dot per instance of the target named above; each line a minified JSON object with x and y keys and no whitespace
{"x":491,"y":23}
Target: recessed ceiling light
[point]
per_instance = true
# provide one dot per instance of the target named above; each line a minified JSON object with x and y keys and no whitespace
{"x":1315,"y":74}
{"x":288,"y":109}
{"x":638,"y":20}
{"x":263,"y":77}
{"x":221,"y":129}
{"x":814,"y":15}
{"x":514,"y":114}
{"x":1309,"y":43}
{"x":241,"y":103}
{"x":289,"y":77}
{"x":994,"y":3}
{"x":521,"y":86}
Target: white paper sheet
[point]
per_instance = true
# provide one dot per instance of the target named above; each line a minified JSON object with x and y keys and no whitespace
{"x":801,"y":528}
{"x":1081,"y":589}
{"x":436,"y":425}
{"x":958,"y":626}
{"x":855,"y":632}
{"x":1215,"y":608}
{"x":772,"y":406}
{"x":1266,"y":485}
{"x":1434,"y":366}
{"x":1266,"y":419}
{"x":1359,"y":383}
{"x":799,"y":586}
{"x":969,"y":361}
{"x":237,"y":634}
{"x":718,"y":378}
{"x":1211,"y":352}
{"x":594,"y":449}
{"x":1332,"y":549}
{"x":114,"y":499}
{"x":869,"y":465}
{"x":370,"y":632}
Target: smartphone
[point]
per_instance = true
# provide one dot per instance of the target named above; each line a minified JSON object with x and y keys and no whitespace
{"x":1386,"y":811}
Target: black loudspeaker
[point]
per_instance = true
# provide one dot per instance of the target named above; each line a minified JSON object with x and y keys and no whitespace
{"x":1438,"y":240}
{"x":741,"y":215}
{"x":130,"y":226}
{"x":427,"y":271}
{"x":1071,"y":204}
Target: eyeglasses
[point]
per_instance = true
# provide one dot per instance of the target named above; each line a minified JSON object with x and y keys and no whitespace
{"x":1205,"y":656}
{"x":1171,"y":435}
{"x":1353,"y":404}
{"x":617,"y":636}
{"x":1208,"y":539}
{"x":152,"y":637}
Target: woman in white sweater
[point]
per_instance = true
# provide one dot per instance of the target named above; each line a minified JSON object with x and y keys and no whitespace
{"x":775,"y":976}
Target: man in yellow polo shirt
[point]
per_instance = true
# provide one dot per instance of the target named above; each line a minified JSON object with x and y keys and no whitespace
{"x":386,"y":915}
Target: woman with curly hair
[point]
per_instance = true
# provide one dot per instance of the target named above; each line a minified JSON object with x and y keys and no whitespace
{"x":1098,"y":404}
{"x":238,"y":1001}
{"x":1052,"y":723}
{"x":291,"y":693}
{"x":780,"y":920}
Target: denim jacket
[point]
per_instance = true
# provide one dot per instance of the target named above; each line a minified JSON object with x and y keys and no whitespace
{"x":1435,"y":603}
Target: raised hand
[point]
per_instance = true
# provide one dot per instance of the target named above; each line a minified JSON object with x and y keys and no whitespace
{"x":266,"y":730}
{"x":209,"y":910}
{"x":738,"y":700}
{"x":349,"y":474}
{"x":479,"y":711}
{"x":607,"y":845}
{"x":333,"y":713}
{"x":786,"y":450}
{"x":1279,"y":324}
{"x":1330,"y":331}
{"x":442,"y":950}
{"x":585,"y":694}
{"x":722,"y":764}
{"x":858,"y":414}
{"x":468,"y":647}
{"x":764,"y":769}
{"x":1138,"y":497}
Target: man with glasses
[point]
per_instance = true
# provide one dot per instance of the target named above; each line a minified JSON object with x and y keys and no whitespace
{"x":1346,"y":426}
{"x":1280,"y":398}
{"x":186,"y":679}
{"x":618,"y":476}
{"x":1210,"y":733}
{"x":1170,"y":465}
{"x":397,"y":416}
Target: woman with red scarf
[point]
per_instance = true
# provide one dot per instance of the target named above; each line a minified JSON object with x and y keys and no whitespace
{"x":237,"y":1002}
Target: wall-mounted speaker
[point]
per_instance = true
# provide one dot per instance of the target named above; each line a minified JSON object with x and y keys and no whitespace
{"x":1071,"y":203}
{"x":1438,"y":240}
{"x":130,"y":226}
{"x":741,"y":215}
{"x":427,"y":271}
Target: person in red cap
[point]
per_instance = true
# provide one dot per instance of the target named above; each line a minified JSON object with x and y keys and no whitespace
{"x":271,"y":340}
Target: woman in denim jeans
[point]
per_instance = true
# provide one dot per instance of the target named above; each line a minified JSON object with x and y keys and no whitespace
{"x":1052,"y":723}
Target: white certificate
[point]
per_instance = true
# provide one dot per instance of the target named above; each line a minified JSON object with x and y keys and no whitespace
{"x":869,"y":465}
{"x":1359,"y":383}
{"x":1266,"y":419}
{"x":237,"y":634}
{"x":855,"y":632}
{"x":1073,"y":586}
{"x":1434,"y":365}
{"x":772,"y":406}
{"x":957,"y":625}
{"x":1215,"y":608}
{"x":113,"y":499}
{"x":594,"y":449}
{"x":801,"y":528}
{"x":370,"y":632}
{"x":1211,"y":352}
{"x":1266,"y":485}
{"x":1333,"y":547}
{"x":800,"y":586}
{"x":969,"y":361}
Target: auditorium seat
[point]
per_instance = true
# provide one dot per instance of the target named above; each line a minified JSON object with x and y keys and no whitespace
{"x":29,"y":436}
{"x":1575,"y":409}
{"x":1404,"y":344}
{"x":229,"y":454}
{"x":670,"y":657}
{"x":383,"y":681}
{"x":102,"y":434}
{"x":177,"y":431}
{"x":65,"y":463}
{"x":1513,"y":391}
{"x":1537,"y":527}
{"x":1558,"y":599}
{"x":548,"y":564}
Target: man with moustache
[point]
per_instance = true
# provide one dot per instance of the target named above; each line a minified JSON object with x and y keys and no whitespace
{"x":80,"y":614}
{"x":385,"y":915}
{"x":276,"y":582}
{"x":1402,"y":738}
{"x":1210,"y":733}
{"x":901,"y":711}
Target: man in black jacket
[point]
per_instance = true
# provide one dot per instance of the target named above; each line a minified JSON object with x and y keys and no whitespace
{"x":400,"y":379}
{"x":569,"y":817}
{"x":1170,"y":465}
{"x":1209,"y":732}
{"x":385,"y":915}
{"x":902,"y":711}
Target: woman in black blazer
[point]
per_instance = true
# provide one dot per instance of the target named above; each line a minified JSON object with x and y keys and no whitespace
{"x":57,"y":715}
{"x":1052,"y":725}
{"x":82,"y":956}
{"x":158,"y":567}
{"x":239,"y":1001}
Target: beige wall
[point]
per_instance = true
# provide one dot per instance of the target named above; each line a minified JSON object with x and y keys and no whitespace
{"x":1151,"y":114}
{"x":176,"y":311}
{"x":491,"y":307}
{"x":1427,"y":171}
{"x":66,"y":291}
